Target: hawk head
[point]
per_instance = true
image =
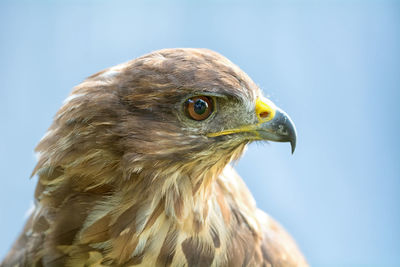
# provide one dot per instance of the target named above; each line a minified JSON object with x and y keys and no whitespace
{"x":188,"y":109}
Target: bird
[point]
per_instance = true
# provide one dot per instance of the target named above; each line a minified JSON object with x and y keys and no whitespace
{"x":136,"y":170}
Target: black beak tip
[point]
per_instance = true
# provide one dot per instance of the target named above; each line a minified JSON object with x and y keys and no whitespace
{"x":293,"y":145}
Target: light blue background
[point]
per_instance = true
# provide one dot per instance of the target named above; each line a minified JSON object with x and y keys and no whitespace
{"x":334,"y":66}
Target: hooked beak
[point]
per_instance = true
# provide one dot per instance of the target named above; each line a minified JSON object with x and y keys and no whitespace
{"x":274,"y":124}
{"x":279,"y":129}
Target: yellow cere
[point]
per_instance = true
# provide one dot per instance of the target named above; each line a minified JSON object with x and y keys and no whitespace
{"x":265,"y":112}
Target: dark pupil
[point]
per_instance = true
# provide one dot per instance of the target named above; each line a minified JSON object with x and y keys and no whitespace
{"x":200,"y":106}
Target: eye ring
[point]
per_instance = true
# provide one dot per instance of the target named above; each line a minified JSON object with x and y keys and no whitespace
{"x":199,"y":107}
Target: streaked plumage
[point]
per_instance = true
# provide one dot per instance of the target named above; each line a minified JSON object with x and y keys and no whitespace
{"x":127,"y":178}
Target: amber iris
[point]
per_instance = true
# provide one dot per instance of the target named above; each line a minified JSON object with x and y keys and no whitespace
{"x":199,"y":107}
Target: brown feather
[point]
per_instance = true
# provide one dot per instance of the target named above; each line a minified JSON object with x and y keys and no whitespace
{"x":167,"y":250}
{"x":197,"y":253}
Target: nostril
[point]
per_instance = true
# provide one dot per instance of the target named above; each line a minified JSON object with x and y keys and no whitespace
{"x":264,"y":114}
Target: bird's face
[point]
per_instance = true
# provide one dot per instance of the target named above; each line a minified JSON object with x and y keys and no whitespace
{"x":195,"y":105}
{"x":170,"y":106}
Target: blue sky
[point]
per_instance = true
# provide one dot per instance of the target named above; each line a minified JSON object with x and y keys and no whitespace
{"x":332,"y":65}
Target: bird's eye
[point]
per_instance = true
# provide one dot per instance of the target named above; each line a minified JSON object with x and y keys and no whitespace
{"x":199,"y":107}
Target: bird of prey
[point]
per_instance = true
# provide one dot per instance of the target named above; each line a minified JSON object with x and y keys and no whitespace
{"x":135,"y":170}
